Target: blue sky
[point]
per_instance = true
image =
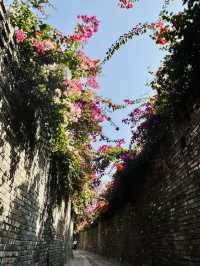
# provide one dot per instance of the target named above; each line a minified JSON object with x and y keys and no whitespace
{"x":126,"y":74}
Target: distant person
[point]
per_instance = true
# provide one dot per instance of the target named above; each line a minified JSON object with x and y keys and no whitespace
{"x":75,"y":242}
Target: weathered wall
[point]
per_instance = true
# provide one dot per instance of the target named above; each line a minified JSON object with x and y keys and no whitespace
{"x":35,"y":227}
{"x":162,"y":225}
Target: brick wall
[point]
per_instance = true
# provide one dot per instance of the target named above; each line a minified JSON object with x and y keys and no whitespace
{"x":161,"y":227}
{"x":35,"y":226}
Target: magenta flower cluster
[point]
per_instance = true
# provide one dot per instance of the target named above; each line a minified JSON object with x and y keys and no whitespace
{"x":126,"y":4}
{"x":85,"y":29}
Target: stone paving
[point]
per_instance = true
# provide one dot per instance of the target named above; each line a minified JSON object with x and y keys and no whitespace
{"x":84,"y":258}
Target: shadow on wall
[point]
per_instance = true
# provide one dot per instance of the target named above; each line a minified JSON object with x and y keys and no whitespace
{"x":34,"y":219}
{"x":161,"y":226}
{"x":34,"y":228}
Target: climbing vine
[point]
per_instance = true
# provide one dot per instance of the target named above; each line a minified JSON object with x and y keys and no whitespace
{"x":175,"y":88}
{"x":58,"y":82}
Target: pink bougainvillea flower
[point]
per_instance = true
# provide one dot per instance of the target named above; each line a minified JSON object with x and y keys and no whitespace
{"x":75,"y":37}
{"x":120,"y":167}
{"x":94,"y":137}
{"x":74,"y":88}
{"x":39,"y":47}
{"x":48,"y":45}
{"x":84,"y":18}
{"x":81,"y":104}
{"x":135,"y":115}
{"x":92,"y":82}
{"x":91,"y":22}
{"x":95,"y":27}
{"x":86,"y":62}
{"x":85,"y":28}
{"x":128,"y":101}
{"x":104,"y":148}
{"x":124,"y":156}
{"x":97,"y":113}
{"x":161,"y":41}
{"x":127,"y":155}
{"x":120,"y":143}
{"x":126,"y":4}
{"x":88,"y":32}
{"x":42,"y":46}
{"x":75,"y":113}
{"x":149,"y":108}
{"x":87,"y":146}
{"x":161,"y":30}
{"x":20,"y":35}
{"x":159,"y":24}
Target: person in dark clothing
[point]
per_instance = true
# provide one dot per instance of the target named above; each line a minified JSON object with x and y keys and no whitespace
{"x":75,"y":243}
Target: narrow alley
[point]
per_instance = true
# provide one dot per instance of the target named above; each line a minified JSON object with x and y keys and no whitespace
{"x":84,"y":258}
{"x":99,"y":133}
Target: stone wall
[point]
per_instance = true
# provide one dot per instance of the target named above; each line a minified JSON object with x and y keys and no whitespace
{"x":35,"y":226}
{"x":161,"y":227}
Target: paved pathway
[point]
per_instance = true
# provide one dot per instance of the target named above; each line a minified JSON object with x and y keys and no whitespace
{"x":84,"y":258}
